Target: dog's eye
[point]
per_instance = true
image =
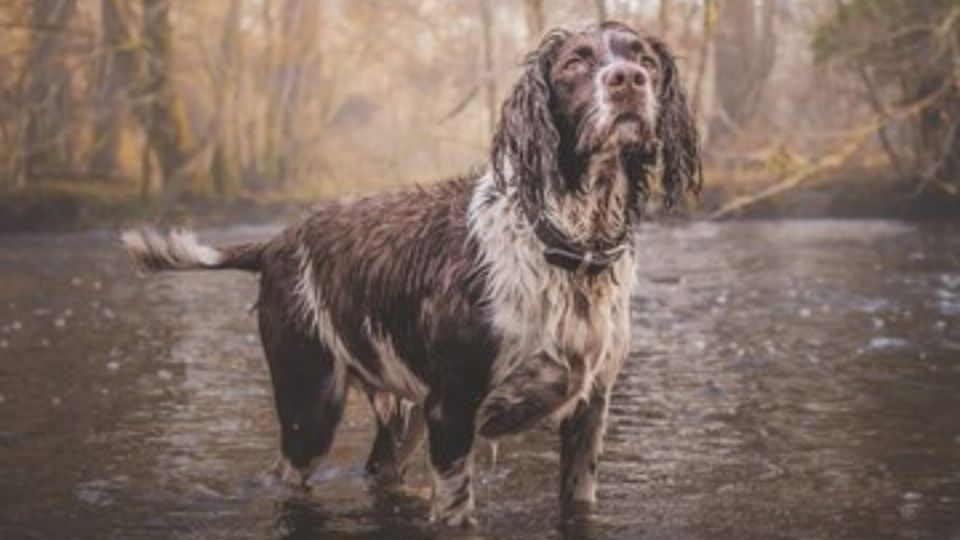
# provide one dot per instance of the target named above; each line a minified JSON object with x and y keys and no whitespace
{"x":574,"y":63}
{"x":580,"y":57}
{"x":649,"y":62}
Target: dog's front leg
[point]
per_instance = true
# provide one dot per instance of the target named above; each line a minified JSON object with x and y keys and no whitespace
{"x":540,"y":385}
{"x":450,"y":422}
{"x":581,"y":441}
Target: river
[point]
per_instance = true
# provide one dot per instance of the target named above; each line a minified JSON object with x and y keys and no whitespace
{"x":793,"y":379}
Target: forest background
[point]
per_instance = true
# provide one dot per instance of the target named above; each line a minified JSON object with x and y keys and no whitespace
{"x":237,"y":110}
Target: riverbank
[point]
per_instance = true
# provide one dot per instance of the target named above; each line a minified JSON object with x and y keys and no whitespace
{"x":80,"y":206}
{"x":60,"y":207}
{"x":851,"y":195}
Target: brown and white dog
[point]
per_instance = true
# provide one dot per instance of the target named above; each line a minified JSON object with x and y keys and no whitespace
{"x":483,"y":304}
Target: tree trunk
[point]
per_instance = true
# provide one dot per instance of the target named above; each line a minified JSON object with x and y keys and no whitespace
{"x":767,"y":51}
{"x":666,"y":19}
{"x":46,"y":142}
{"x":704,"y":57}
{"x":116,"y":74}
{"x":937,"y":143}
{"x":225,"y":167}
{"x":489,"y":67}
{"x":163,"y":113}
{"x":299,"y":27}
{"x":744,"y":59}
{"x":600,"y":6}
{"x":734,"y":54}
{"x":535,"y":17}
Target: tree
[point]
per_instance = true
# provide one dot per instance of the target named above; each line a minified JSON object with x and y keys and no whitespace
{"x":905,"y":54}
{"x":489,"y":65}
{"x":292,"y":58}
{"x":744,"y":54}
{"x":117,"y":71}
{"x":600,"y":8}
{"x":535,"y":18}
{"x":162,"y":113}
{"x":46,"y":141}
{"x":224,"y":166}
{"x":665,"y":19}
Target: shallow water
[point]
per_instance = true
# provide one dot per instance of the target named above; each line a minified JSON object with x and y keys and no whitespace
{"x":788,"y":380}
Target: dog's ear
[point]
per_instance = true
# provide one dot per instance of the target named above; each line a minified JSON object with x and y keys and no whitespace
{"x":676,"y":130}
{"x":527,"y":141}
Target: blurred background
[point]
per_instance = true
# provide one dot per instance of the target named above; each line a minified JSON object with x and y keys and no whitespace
{"x":111,"y":109}
{"x":789,"y":378}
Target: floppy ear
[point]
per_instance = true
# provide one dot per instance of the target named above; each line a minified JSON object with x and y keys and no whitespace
{"x":677,"y":132}
{"x":526,"y":141}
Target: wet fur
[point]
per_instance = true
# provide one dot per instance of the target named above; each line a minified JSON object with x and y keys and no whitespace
{"x":438,"y":304}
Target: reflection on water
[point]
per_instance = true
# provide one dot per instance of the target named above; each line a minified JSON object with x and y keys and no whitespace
{"x":789,"y":380}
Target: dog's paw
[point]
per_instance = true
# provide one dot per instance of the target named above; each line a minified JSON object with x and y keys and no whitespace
{"x":578,"y":507}
{"x":526,"y":396}
{"x":386,"y":472}
{"x":457,"y":521}
{"x":286,"y":474}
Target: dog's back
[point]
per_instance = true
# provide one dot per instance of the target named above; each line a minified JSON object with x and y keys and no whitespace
{"x":382,"y":293}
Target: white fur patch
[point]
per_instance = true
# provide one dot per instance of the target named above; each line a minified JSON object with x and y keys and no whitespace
{"x":316,"y":314}
{"x":395,"y":377}
{"x":446,"y":488}
{"x":178,"y":250}
{"x":531,"y":303}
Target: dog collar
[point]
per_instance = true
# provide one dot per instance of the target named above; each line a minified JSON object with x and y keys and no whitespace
{"x":564,"y":253}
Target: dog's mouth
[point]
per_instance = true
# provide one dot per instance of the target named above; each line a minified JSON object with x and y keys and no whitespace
{"x":615,"y":129}
{"x":629,"y":129}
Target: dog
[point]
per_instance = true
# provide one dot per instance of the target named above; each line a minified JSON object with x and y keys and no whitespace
{"x":479,"y":306}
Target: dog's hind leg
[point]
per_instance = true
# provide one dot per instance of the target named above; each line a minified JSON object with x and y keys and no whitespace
{"x":309,"y":390}
{"x":450,"y":416}
{"x":400,"y":431}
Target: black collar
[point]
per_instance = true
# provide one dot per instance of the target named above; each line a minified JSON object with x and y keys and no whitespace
{"x":562,"y":252}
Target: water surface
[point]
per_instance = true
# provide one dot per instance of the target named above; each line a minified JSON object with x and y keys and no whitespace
{"x":789,"y":380}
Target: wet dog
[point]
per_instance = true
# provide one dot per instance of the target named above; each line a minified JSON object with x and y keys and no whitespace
{"x":481,"y":305}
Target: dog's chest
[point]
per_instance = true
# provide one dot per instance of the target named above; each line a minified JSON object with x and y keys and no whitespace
{"x":576,"y":322}
{"x":535,"y":307}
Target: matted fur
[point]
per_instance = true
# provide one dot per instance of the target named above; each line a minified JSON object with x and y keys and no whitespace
{"x":438,"y":302}
{"x":536,"y":307}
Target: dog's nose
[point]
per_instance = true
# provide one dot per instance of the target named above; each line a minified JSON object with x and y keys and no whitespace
{"x":622,"y":80}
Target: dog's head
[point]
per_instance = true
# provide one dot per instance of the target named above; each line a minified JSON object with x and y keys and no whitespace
{"x":587,"y":93}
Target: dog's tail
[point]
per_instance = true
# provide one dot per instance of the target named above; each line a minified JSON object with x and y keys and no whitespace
{"x":180,"y":250}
